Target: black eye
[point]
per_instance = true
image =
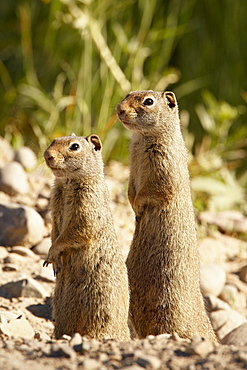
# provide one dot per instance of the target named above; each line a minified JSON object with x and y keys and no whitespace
{"x":148,"y":101}
{"x":74,"y":146}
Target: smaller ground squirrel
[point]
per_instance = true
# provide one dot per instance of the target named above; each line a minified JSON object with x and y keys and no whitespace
{"x":163,"y":262}
{"x":91,"y":291}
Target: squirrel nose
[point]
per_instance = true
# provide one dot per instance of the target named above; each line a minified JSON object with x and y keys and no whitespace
{"x":120,"y":110}
{"x":48,"y":156}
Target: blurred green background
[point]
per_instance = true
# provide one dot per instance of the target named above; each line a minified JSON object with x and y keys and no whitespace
{"x":65,"y":64}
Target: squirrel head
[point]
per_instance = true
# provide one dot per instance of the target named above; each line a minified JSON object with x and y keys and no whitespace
{"x":75,"y":156}
{"x":148,"y":112}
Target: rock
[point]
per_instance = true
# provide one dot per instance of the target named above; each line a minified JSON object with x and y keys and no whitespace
{"x":43,"y":247}
{"x":229,"y":294}
{"x":14,"y":258}
{"x":224,"y":321}
{"x":41,"y":310}
{"x":218,"y":318}
{"x":3,"y":253}
{"x":26,"y":157}
{"x":148,"y":362}
{"x":46,"y":274}
{"x":233,"y":247}
{"x":203,"y":348}
{"x":18,"y":328}
{"x":6,"y":152}
{"x":91,"y":364}
{"x":76,"y":342}
{"x":13,"y":179}
{"x":20,"y":225}
{"x":238,"y":336}
{"x":243,"y":274}
{"x":23,"y":251}
{"x":62,"y":350}
{"x":10,"y":267}
{"x":42,"y":336}
{"x":213,"y":279}
{"x":211,"y":251}
{"x":213,"y":304}
{"x":226,"y":221}
{"x":24,"y":288}
{"x":6,"y":316}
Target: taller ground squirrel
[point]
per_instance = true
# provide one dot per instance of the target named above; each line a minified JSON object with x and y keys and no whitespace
{"x":163,"y":262}
{"x":91,"y":291}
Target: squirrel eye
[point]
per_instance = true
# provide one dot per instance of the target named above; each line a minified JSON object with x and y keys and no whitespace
{"x":148,"y":101}
{"x":74,"y":146}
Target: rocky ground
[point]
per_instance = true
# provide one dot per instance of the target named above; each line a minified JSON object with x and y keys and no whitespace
{"x":26,"y":286}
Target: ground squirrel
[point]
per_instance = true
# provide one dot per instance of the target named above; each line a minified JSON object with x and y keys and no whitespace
{"x":91,"y":291}
{"x":163,"y":262}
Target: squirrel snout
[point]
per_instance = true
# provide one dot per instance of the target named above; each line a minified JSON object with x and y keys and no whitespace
{"x":48,"y":157}
{"x":120,"y":111}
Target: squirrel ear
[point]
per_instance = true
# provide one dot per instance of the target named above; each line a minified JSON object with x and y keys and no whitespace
{"x":170,"y":98}
{"x":95,"y":140}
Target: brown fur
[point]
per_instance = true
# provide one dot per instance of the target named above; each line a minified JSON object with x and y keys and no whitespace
{"x":91,"y":292}
{"x":163,"y":262}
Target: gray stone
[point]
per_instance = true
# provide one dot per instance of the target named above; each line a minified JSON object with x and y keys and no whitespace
{"x":41,"y":310}
{"x":20,"y":225}
{"x":213,"y":279}
{"x":24,"y":288}
{"x":18,"y":328}
{"x":13,"y":179}
{"x":238,"y":336}
{"x":26,"y":157}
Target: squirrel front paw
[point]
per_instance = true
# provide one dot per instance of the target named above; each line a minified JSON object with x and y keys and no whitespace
{"x":53,"y":257}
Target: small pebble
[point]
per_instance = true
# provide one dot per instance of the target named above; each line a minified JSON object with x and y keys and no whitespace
{"x":149,"y":362}
{"x":202,"y":348}
{"x":76,"y":342}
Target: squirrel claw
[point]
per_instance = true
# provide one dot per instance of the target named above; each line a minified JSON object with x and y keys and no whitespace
{"x":46,"y":263}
